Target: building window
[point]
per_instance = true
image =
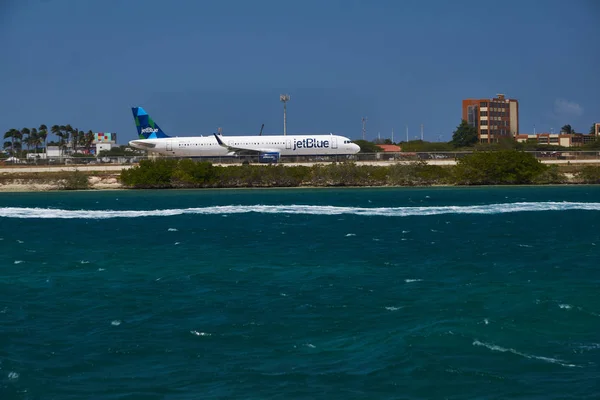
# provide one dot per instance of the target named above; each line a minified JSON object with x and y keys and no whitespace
{"x":472,"y":116}
{"x":483,"y":104}
{"x":483,"y":113}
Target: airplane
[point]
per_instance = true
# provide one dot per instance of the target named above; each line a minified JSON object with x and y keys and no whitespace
{"x":269,"y":148}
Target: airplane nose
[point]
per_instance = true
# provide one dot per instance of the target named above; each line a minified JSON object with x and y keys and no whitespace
{"x":355,"y":147}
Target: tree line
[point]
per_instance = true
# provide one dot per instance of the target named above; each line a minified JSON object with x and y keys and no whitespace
{"x":464,"y":137}
{"x":36,"y":138}
{"x":503,"y":167}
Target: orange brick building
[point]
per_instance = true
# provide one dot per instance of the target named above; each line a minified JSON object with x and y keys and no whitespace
{"x":493,"y":118}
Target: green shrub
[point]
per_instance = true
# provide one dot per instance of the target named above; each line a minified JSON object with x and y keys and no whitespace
{"x":498,"y":168}
{"x":75,"y":180}
{"x":418,"y":173}
{"x":191,"y":173}
{"x":150,"y":174}
{"x":480,"y":168}
{"x":552,"y":175}
{"x":589,"y":174}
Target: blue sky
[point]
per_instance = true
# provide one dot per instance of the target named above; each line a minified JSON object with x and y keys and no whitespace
{"x":198,"y":65}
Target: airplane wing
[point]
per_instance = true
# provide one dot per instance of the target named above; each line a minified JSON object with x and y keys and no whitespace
{"x":243,"y":149}
{"x":143,"y":144}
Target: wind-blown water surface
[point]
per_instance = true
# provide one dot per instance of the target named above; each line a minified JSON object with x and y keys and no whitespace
{"x":302,"y":293}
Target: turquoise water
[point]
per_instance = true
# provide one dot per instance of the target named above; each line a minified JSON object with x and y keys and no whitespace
{"x":479,"y":293}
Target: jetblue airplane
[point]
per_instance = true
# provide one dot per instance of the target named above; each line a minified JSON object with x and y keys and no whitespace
{"x":152,"y":138}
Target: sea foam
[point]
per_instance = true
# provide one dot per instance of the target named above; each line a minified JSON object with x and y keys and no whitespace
{"x":501,"y":349}
{"x":52,"y":213}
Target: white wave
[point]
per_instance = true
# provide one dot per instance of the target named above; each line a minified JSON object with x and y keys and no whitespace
{"x":392,"y":308}
{"x":494,"y":347}
{"x":116,"y":322}
{"x":412,"y":280}
{"x":51,"y":213}
{"x":591,"y":346}
{"x":172,"y":230}
{"x":199,"y":333}
{"x":19,"y":261}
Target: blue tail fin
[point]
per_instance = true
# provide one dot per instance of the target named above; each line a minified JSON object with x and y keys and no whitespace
{"x":146,"y":127}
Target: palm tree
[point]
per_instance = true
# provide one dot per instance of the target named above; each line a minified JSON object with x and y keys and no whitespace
{"x":33,"y":139}
{"x":57,"y":132}
{"x":43,"y":135}
{"x":10,"y":135}
{"x":81,"y":139}
{"x":88,"y":140}
{"x":567,"y":129}
{"x":68,"y":130}
{"x":25,"y":131}
{"x":64,"y":137}
{"x":75,"y":139}
{"x":15,"y":136}
{"x":17,"y":145}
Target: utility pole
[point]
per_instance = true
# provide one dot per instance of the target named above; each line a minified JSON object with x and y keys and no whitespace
{"x":392,"y":135}
{"x":421,"y":132}
{"x":364,"y":127}
{"x":284,"y":98}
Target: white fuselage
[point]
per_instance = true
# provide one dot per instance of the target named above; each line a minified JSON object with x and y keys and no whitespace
{"x":285,"y":145}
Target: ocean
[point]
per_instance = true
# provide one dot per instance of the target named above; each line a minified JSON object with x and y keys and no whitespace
{"x":371,"y":293}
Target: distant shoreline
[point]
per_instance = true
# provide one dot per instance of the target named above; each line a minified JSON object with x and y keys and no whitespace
{"x":112,"y":184}
{"x":61,"y":181}
{"x":185,"y":174}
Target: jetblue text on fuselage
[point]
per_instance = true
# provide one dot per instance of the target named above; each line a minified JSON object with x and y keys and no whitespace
{"x":149,"y":130}
{"x":311,"y":144}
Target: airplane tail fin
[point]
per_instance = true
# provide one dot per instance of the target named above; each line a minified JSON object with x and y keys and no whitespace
{"x":146,"y":127}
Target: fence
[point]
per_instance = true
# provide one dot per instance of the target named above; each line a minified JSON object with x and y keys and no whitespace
{"x":430,"y":157}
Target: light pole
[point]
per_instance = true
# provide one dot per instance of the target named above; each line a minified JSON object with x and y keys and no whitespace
{"x":364,"y":127}
{"x":284,"y":98}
